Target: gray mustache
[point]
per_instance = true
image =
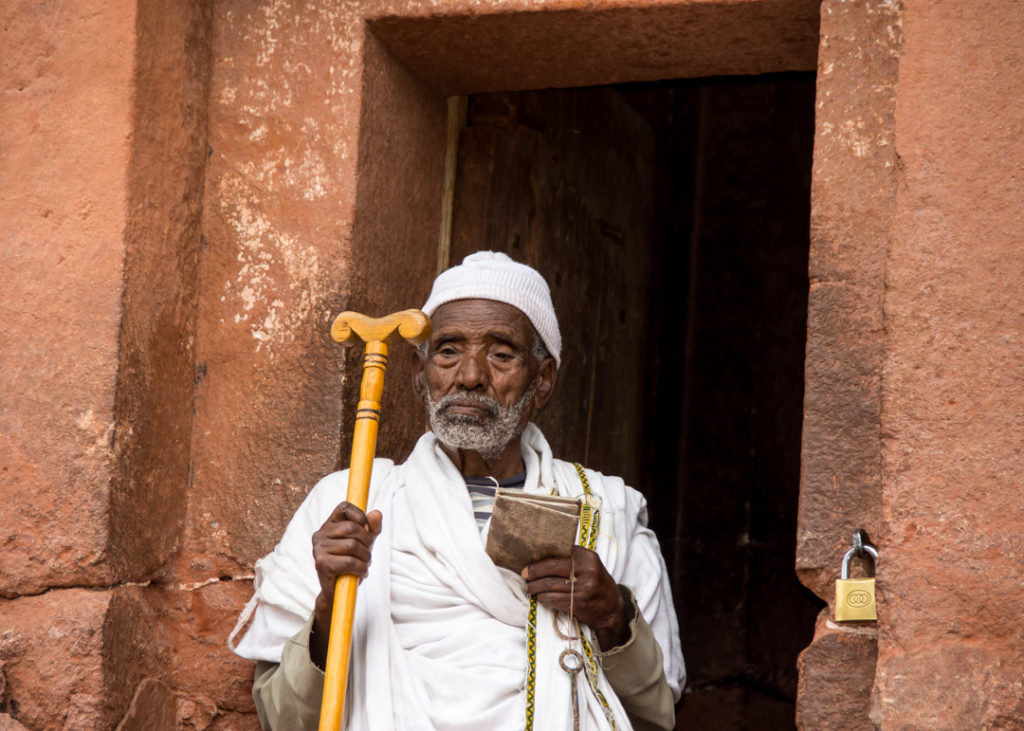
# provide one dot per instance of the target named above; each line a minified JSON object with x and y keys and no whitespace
{"x":445,"y":402}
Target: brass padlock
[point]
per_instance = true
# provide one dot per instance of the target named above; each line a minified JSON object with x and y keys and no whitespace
{"x":855,"y":598}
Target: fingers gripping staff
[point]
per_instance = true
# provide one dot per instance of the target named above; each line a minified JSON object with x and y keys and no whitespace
{"x":414,"y":326}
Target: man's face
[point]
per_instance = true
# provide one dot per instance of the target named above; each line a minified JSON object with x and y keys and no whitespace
{"x":480,"y":378}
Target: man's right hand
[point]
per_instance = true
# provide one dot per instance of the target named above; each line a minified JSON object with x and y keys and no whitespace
{"x":341,"y":546}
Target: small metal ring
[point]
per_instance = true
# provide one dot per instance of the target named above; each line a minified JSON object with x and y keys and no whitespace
{"x":578,"y":658}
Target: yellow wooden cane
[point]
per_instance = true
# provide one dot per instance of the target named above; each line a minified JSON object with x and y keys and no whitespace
{"x":414,"y":326}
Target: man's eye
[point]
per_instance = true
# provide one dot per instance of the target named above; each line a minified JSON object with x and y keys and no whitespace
{"x":503,"y":357}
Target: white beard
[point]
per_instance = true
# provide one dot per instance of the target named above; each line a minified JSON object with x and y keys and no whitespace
{"x":490,"y":436}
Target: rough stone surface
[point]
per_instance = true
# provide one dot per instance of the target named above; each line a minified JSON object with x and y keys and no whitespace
{"x":952,"y":394}
{"x":852,"y":199}
{"x":852,"y":202}
{"x":153,"y":412}
{"x":460,"y":47}
{"x":235,"y":722}
{"x":153,"y":708}
{"x":286,"y":249}
{"x":66,"y":84}
{"x":984,"y":690}
{"x":836,"y":676}
{"x":193,"y":625}
{"x":277,"y":219}
{"x":136,"y":656}
{"x":92,"y":659}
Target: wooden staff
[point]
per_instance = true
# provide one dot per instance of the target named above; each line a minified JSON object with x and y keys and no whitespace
{"x":414,"y":326}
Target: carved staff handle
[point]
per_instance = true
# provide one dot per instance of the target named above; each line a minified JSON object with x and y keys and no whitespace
{"x":414,"y":326}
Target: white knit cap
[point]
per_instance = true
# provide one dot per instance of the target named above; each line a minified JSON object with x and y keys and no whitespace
{"x":491,"y":275}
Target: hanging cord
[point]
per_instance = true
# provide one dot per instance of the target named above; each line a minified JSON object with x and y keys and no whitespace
{"x":571,"y":660}
{"x":573,"y":624}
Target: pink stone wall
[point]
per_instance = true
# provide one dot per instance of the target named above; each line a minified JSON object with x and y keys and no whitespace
{"x":276,"y":225}
{"x":472,"y":47}
{"x":72,"y":657}
{"x":852,"y":199}
{"x":914,"y":413}
{"x":853,"y":187}
{"x":159,"y":294}
{"x":951,"y":645}
{"x":66,"y":133}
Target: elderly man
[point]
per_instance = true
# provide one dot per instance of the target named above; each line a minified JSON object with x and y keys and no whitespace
{"x":443,"y":638}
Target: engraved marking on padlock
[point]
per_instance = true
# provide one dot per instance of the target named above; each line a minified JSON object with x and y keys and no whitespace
{"x":858,"y":598}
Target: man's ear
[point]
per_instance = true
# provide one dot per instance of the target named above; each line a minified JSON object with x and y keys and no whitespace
{"x":546,"y":375}
{"x":419,"y":379}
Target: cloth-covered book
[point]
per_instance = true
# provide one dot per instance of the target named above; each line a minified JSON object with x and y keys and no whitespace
{"x":527,"y":528}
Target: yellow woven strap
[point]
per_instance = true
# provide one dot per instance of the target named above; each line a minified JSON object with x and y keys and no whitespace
{"x":590,"y":525}
{"x":590,"y":519}
{"x":531,"y":663}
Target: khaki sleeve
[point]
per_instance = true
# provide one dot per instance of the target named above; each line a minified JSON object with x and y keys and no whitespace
{"x":288,"y":694}
{"x":636,"y":672}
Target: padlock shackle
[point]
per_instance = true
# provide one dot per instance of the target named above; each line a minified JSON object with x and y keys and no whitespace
{"x":863,"y":548}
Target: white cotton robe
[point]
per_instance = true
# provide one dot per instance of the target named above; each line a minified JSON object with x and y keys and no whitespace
{"x":439,"y":638}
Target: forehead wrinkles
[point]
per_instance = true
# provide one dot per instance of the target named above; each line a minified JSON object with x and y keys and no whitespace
{"x":500,"y":333}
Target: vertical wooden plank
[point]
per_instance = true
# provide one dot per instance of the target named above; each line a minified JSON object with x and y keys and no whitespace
{"x":562,"y":180}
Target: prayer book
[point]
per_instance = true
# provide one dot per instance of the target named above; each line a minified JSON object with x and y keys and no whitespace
{"x":527,"y":528}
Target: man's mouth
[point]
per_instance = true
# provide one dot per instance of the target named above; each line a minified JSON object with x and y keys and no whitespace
{"x":473,"y":409}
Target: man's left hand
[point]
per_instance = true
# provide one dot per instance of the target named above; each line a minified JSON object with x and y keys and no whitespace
{"x":584,"y":582}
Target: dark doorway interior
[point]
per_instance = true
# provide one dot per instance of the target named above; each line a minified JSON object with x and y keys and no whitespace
{"x":672,"y":220}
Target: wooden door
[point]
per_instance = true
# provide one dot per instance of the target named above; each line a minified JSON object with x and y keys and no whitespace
{"x":562,"y":180}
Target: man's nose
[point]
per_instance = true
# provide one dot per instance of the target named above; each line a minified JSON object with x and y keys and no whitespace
{"x":472,"y":372}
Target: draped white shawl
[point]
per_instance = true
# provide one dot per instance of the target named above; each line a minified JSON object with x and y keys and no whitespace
{"x":439,"y":634}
